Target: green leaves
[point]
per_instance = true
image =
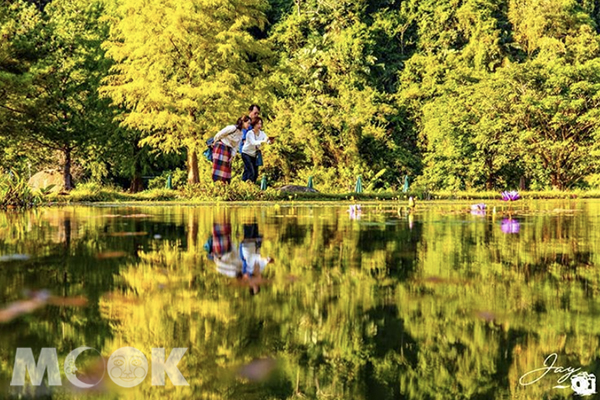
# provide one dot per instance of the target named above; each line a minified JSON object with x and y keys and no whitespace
{"x":15,"y":192}
{"x":467,"y":94}
{"x":182,"y":70}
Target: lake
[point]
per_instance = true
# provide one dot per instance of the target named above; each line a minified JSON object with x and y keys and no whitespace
{"x":306,"y":300}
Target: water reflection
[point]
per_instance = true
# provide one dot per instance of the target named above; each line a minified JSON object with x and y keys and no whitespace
{"x":244,"y":261}
{"x":433,"y":303}
{"x":510,"y":225}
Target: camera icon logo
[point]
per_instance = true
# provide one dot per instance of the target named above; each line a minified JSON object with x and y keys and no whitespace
{"x":584,"y":384}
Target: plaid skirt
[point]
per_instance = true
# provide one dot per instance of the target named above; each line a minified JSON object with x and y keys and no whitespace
{"x":221,"y":170}
{"x":221,"y":242}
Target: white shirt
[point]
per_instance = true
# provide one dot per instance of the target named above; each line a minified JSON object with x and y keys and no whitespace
{"x":253,"y":257}
{"x":230,"y":136}
{"x":253,"y":142}
{"x":229,"y":264}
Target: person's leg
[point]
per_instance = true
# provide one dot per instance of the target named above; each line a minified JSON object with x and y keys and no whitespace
{"x":252,"y":168}
{"x":248,"y":167}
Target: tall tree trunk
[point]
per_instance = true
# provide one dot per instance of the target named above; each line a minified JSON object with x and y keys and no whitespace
{"x":556,"y":181}
{"x":68,"y":178}
{"x":491,"y":177}
{"x":137,"y":184}
{"x":192,"y":166}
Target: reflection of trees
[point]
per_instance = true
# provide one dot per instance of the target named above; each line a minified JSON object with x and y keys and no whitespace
{"x":494,"y":306}
{"x":355,"y":309}
{"x":319,"y":327}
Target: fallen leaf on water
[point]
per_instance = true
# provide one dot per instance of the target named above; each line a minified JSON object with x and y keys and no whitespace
{"x":38,"y":300}
{"x":110,"y":254}
{"x":17,"y":308}
{"x":15,"y":257}
{"x":138,"y":216}
{"x":487,"y":316}
{"x":128,"y":234}
{"x":563,"y":211}
{"x":257,"y":370}
{"x":440,"y":280}
{"x":79,"y":301}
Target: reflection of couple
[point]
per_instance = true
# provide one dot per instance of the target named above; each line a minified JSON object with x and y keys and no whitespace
{"x":243,"y":262}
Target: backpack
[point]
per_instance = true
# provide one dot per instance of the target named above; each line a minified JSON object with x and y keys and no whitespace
{"x":209,"y":150}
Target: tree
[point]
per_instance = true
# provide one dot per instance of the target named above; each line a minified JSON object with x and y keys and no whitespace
{"x":59,"y":108}
{"x":20,"y":32}
{"x":183,"y":69}
{"x":558,"y":119}
{"x":470,"y":143}
{"x":491,"y":108}
{"x":333,"y":117}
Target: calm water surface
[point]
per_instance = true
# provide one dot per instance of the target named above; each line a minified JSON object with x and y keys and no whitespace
{"x":308,"y":301}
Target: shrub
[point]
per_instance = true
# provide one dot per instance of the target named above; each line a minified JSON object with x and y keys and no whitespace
{"x":16,"y":193}
{"x":236,"y":191}
{"x":155,"y":195}
{"x":92,"y":191}
{"x":178,"y":179}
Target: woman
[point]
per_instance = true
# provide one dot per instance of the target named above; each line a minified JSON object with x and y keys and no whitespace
{"x":224,"y":148}
{"x":254,"y":138}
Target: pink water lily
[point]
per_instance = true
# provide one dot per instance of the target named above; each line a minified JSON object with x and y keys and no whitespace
{"x":510,"y":196}
{"x":510,"y":226}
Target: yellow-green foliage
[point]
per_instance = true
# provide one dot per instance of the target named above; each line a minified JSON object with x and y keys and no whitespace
{"x":452,"y":308}
{"x":16,"y":193}
{"x":181,"y":68}
{"x":236,"y":191}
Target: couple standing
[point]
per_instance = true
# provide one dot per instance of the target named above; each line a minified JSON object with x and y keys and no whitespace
{"x":246,"y":134}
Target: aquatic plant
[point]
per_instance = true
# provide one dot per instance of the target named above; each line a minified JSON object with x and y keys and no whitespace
{"x":355,"y":211}
{"x":510,"y":226}
{"x":510,"y":196}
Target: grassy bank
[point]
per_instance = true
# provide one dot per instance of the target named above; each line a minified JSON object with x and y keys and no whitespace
{"x":248,"y":192}
{"x":15,"y":193}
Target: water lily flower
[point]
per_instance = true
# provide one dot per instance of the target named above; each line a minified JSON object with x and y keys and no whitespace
{"x":510,"y":196}
{"x":478,"y":209}
{"x":355,"y":211}
{"x":510,"y":226}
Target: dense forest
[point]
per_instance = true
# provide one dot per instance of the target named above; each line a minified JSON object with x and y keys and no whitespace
{"x":457,"y":94}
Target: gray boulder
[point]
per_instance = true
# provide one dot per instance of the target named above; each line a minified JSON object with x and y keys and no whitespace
{"x":297,"y":189}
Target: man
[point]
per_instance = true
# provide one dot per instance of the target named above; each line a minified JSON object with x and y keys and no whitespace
{"x":253,"y":264}
{"x":253,"y":112}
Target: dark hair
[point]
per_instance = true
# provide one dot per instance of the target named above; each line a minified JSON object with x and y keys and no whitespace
{"x":252,"y":107}
{"x":256,"y":120}
{"x":241,"y":120}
